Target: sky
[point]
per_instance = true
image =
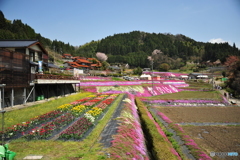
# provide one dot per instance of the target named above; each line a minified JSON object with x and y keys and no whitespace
{"x":80,"y":21}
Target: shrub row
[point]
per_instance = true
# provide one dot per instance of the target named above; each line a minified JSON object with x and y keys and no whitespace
{"x":158,"y":144}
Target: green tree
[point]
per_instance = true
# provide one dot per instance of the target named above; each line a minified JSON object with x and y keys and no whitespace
{"x":137,"y":71}
{"x":105,"y":65}
{"x":5,"y":34}
{"x":164,"y":67}
{"x":3,"y":23}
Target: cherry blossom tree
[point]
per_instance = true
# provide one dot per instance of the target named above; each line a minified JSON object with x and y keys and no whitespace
{"x":101,"y":56}
{"x":156,"y":51}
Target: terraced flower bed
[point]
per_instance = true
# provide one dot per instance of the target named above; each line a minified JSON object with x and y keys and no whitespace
{"x":81,"y":113}
{"x":77,"y":129}
{"x":203,"y":129}
{"x":216,"y":139}
{"x":46,"y":130}
{"x":129,"y":141}
{"x":159,"y":120}
{"x":188,"y":102}
{"x":137,"y":90}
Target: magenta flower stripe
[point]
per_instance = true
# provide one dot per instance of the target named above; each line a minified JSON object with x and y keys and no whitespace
{"x":129,"y":141}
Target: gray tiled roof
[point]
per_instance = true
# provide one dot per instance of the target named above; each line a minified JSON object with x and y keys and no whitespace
{"x":16,"y":43}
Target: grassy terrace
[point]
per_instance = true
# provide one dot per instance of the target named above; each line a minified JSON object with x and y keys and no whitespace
{"x":213,"y":95}
{"x":198,"y":85}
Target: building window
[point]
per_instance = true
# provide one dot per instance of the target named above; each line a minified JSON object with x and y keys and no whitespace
{"x":20,"y":50}
{"x":33,"y":70}
{"x":31,"y":56}
{"x":40,"y":56}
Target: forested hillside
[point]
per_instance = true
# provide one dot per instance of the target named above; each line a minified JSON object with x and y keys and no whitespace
{"x":17,"y":30}
{"x":132,"y":48}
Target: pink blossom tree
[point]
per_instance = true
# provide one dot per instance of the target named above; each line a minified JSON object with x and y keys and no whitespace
{"x":101,"y":56}
{"x":156,"y":51}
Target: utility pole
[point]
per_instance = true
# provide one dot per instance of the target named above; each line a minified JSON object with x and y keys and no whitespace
{"x":2,"y":103}
{"x":212,"y":81}
{"x":152,"y":76}
{"x":54,"y":54}
{"x":2,"y":111}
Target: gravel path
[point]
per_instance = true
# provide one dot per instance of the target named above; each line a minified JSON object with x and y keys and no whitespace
{"x":111,"y":127}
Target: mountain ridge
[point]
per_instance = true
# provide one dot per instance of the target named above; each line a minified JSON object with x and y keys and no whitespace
{"x":133,"y":47}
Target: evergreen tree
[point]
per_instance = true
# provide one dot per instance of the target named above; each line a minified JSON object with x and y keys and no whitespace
{"x":3,"y":23}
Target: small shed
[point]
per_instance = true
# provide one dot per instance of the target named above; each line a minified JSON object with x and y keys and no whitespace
{"x":197,"y":76}
{"x":202,"y":76}
{"x":183,"y":76}
{"x":145,"y":77}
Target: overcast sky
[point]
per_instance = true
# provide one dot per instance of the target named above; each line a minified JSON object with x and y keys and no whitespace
{"x":80,"y":21}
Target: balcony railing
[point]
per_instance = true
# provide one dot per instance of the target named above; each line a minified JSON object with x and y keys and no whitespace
{"x":51,"y":76}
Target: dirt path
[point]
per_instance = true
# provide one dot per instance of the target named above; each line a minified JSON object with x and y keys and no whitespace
{"x":111,"y":127}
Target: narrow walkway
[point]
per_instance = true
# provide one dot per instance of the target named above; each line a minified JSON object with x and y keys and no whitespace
{"x":111,"y":128}
{"x":230,"y":99}
{"x":233,"y":100}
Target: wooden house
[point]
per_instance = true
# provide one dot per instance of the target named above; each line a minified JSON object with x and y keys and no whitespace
{"x":21,"y":61}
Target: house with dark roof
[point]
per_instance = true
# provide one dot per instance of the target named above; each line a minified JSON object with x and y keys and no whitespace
{"x":31,"y":53}
{"x":32,"y":48}
{"x":21,"y":61}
